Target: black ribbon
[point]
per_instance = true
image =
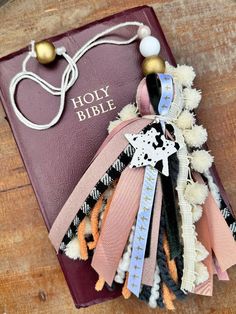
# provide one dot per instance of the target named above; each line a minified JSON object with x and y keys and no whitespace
{"x":154,"y":91}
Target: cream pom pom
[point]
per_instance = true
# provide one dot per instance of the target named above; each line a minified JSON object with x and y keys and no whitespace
{"x":88,"y":227}
{"x":169,"y":69}
{"x":185,"y":120}
{"x":130,"y":111}
{"x":72,"y":249}
{"x":196,"y":193}
{"x":192,"y":98}
{"x":113,"y":125}
{"x":185,"y":75}
{"x":196,"y":136}
{"x":196,"y":212}
{"x":201,"y":160}
{"x":155,"y":289}
{"x":201,"y":273}
{"x":108,"y":193}
{"x":201,"y":252}
{"x":124,"y":262}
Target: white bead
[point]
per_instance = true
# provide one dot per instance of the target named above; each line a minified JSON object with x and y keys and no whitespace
{"x":149,"y":46}
{"x":143,"y":31}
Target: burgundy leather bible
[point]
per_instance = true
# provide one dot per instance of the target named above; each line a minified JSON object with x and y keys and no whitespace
{"x":56,"y":158}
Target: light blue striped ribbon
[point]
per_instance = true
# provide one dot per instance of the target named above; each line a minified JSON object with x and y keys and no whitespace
{"x":147,"y":198}
{"x":141,"y":230}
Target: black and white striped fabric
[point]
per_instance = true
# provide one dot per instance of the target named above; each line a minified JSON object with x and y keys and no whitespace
{"x":113,"y":173}
{"x":229,"y":218}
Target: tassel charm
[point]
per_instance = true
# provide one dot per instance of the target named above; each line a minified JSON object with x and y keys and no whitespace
{"x":155,"y":140}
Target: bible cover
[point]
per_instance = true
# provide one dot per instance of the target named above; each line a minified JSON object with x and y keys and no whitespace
{"x":56,"y":159}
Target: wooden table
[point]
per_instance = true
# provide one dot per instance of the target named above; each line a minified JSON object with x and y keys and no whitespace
{"x":201,"y":33}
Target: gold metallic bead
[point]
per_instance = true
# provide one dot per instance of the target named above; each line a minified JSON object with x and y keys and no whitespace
{"x":45,"y":52}
{"x":153,"y":64}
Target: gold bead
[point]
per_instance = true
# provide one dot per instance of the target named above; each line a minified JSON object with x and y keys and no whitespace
{"x":153,"y":64}
{"x":45,"y":52}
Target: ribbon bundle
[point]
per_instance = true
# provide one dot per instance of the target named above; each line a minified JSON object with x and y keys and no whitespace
{"x":148,"y":200}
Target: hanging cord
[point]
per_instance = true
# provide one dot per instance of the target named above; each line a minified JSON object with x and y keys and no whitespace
{"x":69,"y":76}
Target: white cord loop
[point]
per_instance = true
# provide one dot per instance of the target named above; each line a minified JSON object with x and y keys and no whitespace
{"x":69,"y":76}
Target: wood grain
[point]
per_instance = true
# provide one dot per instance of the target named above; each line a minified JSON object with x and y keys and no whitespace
{"x":201,"y":33}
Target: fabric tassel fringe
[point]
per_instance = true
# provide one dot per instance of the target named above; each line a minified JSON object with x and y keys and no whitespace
{"x":187,"y":234}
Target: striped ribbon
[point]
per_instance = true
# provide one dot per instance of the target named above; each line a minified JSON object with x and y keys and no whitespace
{"x":141,"y":229}
{"x":167,"y":91}
{"x":147,"y":198}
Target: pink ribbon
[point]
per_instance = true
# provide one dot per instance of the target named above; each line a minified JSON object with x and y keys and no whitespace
{"x":96,"y":170}
{"x":119,"y":220}
{"x":216,"y":236}
{"x":205,"y":288}
{"x":222,"y":275}
{"x":222,"y":241}
{"x":150,"y":262}
{"x":143,"y":100}
{"x":113,"y":133}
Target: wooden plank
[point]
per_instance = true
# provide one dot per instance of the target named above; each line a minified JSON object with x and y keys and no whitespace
{"x":200,"y":33}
